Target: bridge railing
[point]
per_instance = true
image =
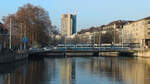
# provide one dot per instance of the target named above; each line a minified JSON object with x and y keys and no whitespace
{"x":94,"y":48}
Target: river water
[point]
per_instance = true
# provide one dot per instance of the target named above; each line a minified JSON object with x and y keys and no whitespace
{"x":79,"y":70}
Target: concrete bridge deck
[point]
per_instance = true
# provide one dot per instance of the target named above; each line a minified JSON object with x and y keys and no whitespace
{"x":82,"y":52}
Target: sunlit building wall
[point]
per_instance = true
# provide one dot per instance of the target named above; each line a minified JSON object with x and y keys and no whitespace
{"x":68,"y":24}
{"x":137,"y":32}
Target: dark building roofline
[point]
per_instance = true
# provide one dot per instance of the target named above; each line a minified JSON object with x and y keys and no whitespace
{"x":146,"y":18}
{"x":119,"y":22}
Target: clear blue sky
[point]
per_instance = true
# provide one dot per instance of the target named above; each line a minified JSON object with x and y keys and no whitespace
{"x":89,"y":12}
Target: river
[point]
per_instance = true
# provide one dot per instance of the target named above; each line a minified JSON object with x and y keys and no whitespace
{"x":77,"y":70}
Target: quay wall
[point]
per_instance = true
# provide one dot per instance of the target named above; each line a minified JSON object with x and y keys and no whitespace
{"x":142,"y":53}
{"x":70,"y":54}
{"x":79,"y":54}
{"x":108,"y":53}
{"x":8,"y":57}
{"x":82,"y":54}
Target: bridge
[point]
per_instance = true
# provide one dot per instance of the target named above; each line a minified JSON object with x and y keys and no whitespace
{"x":82,"y":51}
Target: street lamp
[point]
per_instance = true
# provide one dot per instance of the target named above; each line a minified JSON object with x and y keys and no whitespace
{"x":10,"y":35}
{"x":114,"y":33}
{"x":65,"y":41}
{"x":99,"y":39}
{"x":122,"y":37}
{"x":93,"y":39}
{"x":23,"y":38}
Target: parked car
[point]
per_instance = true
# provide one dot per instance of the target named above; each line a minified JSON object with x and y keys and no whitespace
{"x":34,"y":49}
{"x":46,"y":48}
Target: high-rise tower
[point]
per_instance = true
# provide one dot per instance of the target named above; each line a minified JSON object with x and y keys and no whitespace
{"x":68,"y":24}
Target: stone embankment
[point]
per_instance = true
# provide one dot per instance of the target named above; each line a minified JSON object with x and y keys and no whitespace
{"x":142,"y":53}
{"x":8,"y":56}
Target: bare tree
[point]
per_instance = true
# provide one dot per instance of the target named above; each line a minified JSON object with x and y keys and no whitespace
{"x":32,"y":22}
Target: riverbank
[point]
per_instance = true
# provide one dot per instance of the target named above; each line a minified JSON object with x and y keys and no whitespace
{"x":9,"y":56}
{"x":142,"y":53}
{"x":113,"y":54}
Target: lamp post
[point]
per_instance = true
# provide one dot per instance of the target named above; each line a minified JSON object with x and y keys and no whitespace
{"x":99,"y":39}
{"x":25,"y":38}
{"x":114,"y":34}
{"x":122,"y":37}
{"x":93,"y":39}
{"x":10,"y":35}
{"x":65,"y":41}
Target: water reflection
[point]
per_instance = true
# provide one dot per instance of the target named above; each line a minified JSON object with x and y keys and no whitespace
{"x":67,"y":71}
{"x":97,"y":70}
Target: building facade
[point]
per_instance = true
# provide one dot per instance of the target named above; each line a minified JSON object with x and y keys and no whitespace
{"x":68,"y":24}
{"x":86,"y":37}
{"x":137,"y":32}
{"x":115,"y":28}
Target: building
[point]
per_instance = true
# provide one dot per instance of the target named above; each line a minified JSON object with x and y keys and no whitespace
{"x":90,"y":35}
{"x":86,"y":37}
{"x":115,"y":28}
{"x":118,"y":24}
{"x":68,"y":24}
{"x":137,"y":32}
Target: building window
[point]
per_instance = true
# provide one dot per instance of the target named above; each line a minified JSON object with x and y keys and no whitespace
{"x":136,"y":34}
{"x":148,"y":22}
{"x":133,"y":25}
{"x":148,"y":33}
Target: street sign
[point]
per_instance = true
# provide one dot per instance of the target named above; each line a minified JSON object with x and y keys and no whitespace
{"x":24,"y":40}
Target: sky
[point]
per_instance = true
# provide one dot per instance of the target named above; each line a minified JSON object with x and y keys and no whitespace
{"x":89,"y":12}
